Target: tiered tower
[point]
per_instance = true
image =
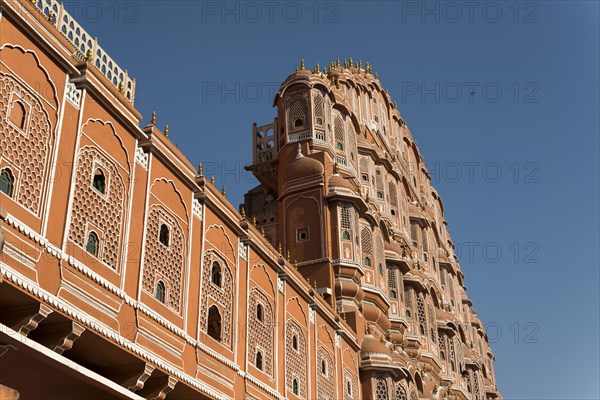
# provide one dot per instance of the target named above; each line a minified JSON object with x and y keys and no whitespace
{"x":346,"y":193}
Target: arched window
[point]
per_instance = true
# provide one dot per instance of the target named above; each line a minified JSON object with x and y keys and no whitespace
{"x":160,"y":293}
{"x":295,"y":386}
{"x":215,"y":274}
{"x":295,"y":342}
{"x":324,"y":367}
{"x":298,"y":123}
{"x":214,"y":323}
{"x":7,"y":182}
{"x":18,"y":115}
{"x":99,"y":182}
{"x":259,"y":360}
{"x":346,"y":235}
{"x":163,"y":236}
{"x":367,"y":262}
{"x":443,"y":355}
{"x":393,"y":294}
{"x":93,"y":243}
{"x":339,"y":146}
{"x":259,"y":312}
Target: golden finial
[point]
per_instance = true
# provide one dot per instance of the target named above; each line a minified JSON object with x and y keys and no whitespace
{"x":317,"y":68}
{"x":200,"y":169}
{"x":302,"y":63}
{"x":351,"y":63}
{"x":243,"y":212}
{"x":289,"y":256}
{"x":368,"y":329}
{"x":166,"y":130}
{"x":254,"y":220}
{"x":359,"y":65}
{"x":223,"y":191}
{"x":308,"y":281}
{"x":376,"y":75}
{"x":315,"y":284}
{"x":296,"y":264}
{"x":344,"y":317}
{"x":88,"y":55}
{"x":338,"y":62}
{"x":279,"y":248}
{"x":336,"y":168}
{"x":153,"y":119}
{"x":212,"y":179}
{"x":262,"y":231}
{"x":395,"y":105}
{"x":325,"y":70}
{"x":121,"y":88}
{"x":337,"y":83}
{"x":51,"y":17}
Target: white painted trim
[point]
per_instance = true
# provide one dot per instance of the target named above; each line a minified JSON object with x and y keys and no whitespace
{"x":68,"y":363}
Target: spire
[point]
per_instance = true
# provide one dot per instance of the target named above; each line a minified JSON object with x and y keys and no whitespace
{"x":153,"y":119}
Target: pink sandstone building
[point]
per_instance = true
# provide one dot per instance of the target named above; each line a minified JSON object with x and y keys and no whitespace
{"x":125,"y":274}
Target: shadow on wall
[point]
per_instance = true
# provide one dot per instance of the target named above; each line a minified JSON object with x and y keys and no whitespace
{"x":2,"y":218}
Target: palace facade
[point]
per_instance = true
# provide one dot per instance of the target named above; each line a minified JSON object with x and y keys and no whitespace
{"x":126,"y":274}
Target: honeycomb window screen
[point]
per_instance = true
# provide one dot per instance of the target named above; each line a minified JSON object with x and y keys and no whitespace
{"x":421,"y":315}
{"x":381,"y":390}
{"x":318,"y":109}
{"x":346,"y":216}
{"x":409,"y":301}
{"x":442,"y":346}
{"x":367,"y":246}
{"x":414,"y":233}
{"x":340,"y":136}
{"x":221,"y":295}
{"x":295,"y":357}
{"x":164,"y":261}
{"x":29,"y":148}
{"x":432,"y":323}
{"x":380,"y":258}
{"x":297,"y":113}
{"x":400,"y":392}
{"x":325,"y":382}
{"x":393,"y":196}
{"x":90,"y":207}
{"x":261,"y":328}
{"x":351,"y":385}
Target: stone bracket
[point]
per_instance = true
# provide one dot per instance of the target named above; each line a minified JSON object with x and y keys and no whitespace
{"x":65,"y":342}
{"x":30,"y":323}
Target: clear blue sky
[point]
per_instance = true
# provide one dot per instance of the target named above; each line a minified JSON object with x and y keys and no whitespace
{"x":502,"y":99}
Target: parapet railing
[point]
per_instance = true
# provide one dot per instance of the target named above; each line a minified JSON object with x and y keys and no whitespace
{"x":87,"y":47}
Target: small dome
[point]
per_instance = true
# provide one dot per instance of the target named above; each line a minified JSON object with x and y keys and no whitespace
{"x":336,"y":181}
{"x":302,"y":167}
{"x":371,"y":345}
